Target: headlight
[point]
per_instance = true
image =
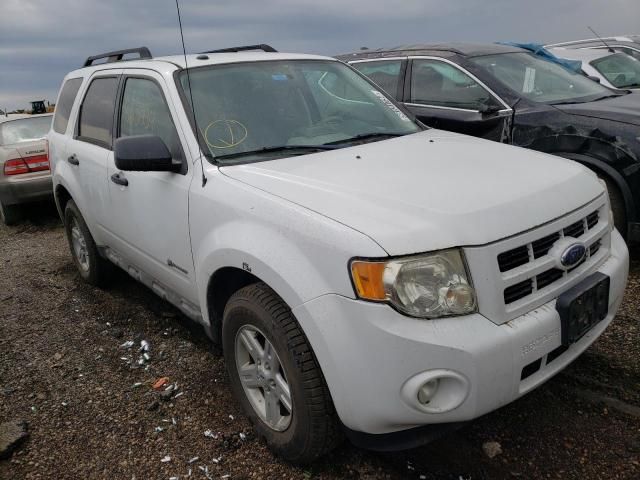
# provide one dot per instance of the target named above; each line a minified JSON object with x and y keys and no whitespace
{"x":606,"y":190}
{"x":426,"y":286}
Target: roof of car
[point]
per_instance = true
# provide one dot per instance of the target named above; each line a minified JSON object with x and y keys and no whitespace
{"x":597,"y":41}
{"x":441,"y":49}
{"x":582,"y":54}
{"x":198,"y":60}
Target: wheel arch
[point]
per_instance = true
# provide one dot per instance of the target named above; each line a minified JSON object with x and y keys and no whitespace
{"x":604,"y":168}
{"x":61,"y":197}
{"x":222,"y":284}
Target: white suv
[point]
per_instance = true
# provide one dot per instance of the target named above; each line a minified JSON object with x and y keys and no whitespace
{"x":363,"y":274}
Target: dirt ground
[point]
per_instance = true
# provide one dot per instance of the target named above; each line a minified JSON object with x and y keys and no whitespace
{"x":65,"y":368}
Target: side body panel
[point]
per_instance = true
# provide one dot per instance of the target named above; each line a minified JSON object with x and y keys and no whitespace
{"x":300,"y":254}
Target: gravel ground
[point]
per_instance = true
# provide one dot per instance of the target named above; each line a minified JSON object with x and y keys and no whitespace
{"x":92,"y":412}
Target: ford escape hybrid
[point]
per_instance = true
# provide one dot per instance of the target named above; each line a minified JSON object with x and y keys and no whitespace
{"x":364,"y":275}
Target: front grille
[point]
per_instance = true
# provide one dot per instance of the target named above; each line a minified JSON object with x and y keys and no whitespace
{"x":574,"y":230}
{"x":513,"y":258}
{"x":520,"y":273}
{"x":534,"y":252}
{"x":519,"y":256}
{"x":548,"y":277}
{"x":541,"y":247}
{"x":518,"y":291}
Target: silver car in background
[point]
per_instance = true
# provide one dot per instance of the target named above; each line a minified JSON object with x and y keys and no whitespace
{"x":613,"y":70}
{"x":25,"y":175}
{"x":629,"y":44}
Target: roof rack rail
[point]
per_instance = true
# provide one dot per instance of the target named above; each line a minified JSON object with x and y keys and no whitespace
{"x":118,"y":55}
{"x":263,"y":46}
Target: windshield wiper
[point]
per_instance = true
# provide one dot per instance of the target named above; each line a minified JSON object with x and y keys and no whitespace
{"x":573,"y":102}
{"x":280,"y":148}
{"x":609,"y":96}
{"x":366,"y":136}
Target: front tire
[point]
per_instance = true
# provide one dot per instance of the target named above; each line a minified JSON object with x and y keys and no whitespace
{"x":93,"y":269}
{"x":10,"y":214}
{"x":276,"y":376}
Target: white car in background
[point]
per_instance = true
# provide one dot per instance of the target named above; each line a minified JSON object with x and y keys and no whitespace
{"x":629,"y":44}
{"x":613,"y":69}
{"x":24,"y":163}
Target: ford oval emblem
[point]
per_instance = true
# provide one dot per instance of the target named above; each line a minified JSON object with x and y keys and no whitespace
{"x":573,"y":255}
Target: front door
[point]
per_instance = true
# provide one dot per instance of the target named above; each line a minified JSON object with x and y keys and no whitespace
{"x":443,"y":96}
{"x":149,"y":218}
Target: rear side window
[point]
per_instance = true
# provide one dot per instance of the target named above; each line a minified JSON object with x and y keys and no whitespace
{"x":385,"y":73}
{"x":96,"y":114}
{"x":63,"y":109}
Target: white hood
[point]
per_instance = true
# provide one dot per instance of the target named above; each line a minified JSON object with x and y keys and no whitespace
{"x":430,"y":190}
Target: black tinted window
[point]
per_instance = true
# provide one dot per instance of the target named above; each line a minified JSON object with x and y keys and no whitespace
{"x":386,"y":74}
{"x":144,"y":112}
{"x":440,"y":84}
{"x":65,"y":102}
{"x":96,"y":116}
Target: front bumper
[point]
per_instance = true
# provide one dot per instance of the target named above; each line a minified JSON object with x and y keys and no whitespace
{"x":25,"y":188}
{"x":372,"y":356}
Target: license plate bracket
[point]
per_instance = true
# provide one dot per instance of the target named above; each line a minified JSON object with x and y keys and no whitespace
{"x":583,"y":306}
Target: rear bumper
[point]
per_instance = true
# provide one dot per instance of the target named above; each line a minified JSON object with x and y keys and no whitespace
{"x":374,"y":359}
{"x":25,"y":188}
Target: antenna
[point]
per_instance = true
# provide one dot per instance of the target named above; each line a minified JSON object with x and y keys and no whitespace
{"x":193,"y":108}
{"x":602,"y":40}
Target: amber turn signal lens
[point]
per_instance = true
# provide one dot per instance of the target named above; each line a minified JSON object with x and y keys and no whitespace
{"x":367,"y":277}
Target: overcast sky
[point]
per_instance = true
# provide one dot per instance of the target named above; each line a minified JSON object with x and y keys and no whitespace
{"x":42,"y":40}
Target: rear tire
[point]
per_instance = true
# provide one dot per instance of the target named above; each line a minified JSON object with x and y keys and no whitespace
{"x":10,"y":214}
{"x":309,"y":428}
{"x":93,"y":269}
{"x":617,"y":205}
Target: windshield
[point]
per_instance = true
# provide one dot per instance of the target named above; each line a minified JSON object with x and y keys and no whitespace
{"x":262,"y":110}
{"x":541,"y":80}
{"x":25,"y":129}
{"x":621,"y":70}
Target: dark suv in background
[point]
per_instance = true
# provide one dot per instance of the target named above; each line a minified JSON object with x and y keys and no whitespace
{"x":510,"y":95}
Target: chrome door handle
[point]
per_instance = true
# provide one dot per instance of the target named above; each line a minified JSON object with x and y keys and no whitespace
{"x":119,"y":179}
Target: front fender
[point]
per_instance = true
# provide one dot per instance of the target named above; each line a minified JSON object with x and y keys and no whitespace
{"x":300,"y":254}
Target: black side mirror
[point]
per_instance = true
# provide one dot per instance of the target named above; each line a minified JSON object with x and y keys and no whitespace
{"x":144,"y":153}
{"x":594,"y":78}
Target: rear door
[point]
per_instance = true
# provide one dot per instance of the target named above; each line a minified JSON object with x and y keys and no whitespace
{"x":445,"y":96}
{"x":149,"y":217}
{"x":91,"y":148}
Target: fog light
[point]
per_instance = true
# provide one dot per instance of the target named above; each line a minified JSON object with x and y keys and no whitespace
{"x":428,"y":391}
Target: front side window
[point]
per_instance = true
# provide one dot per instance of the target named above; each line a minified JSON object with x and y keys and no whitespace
{"x":145,"y":112}
{"x":65,"y":103}
{"x":441,"y":84}
{"x":262,"y":110}
{"x":96,"y":114}
{"x":621,"y":70}
{"x":385,"y":73}
{"x":540,"y":80}
{"x":24,"y":129}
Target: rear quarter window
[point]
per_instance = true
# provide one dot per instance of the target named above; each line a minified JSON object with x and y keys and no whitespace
{"x":65,"y":103}
{"x":95,"y":124}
